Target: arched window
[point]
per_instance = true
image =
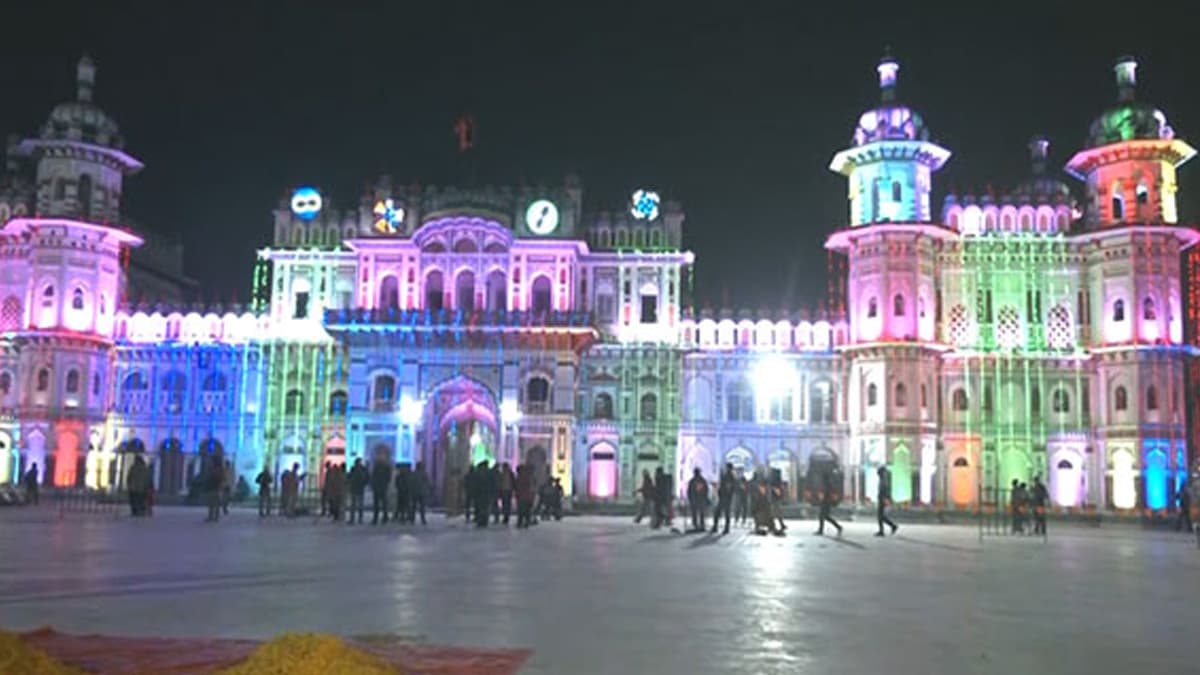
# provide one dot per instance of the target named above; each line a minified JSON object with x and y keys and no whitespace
{"x":433,"y":291}
{"x":920,"y":307}
{"x":389,"y":293}
{"x":924,"y":397}
{"x":43,"y":379}
{"x":739,"y":401}
{"x":896,"y":191}
{"x":1118,"y":203}
{"x":958,"y":399}
{"x":339,"y":402}
{"x":135,"y":382}
{"x":464,"y":290}
{"x":213,"y":382}
{"x":820,"y":402}
{"x":48,"y":296}
{"x":898,"y":305}
{"x":5,"y":383}
{"x":1120,"y":399}
{"x":1151,"y":398}
{"x":384,"y":390}
{"x":95,"y":384}
{"x":872,"y":395}
{"x":1143,"y":194}
{"x":72,"y":381}
{"x":648,"y":408}
{"x":539,"y":296}
{"x":293,"y":402}
{"x":174,"y":384}
{"x":901,"y":395}
{"x":1061,"y":401}
{"x":85,"y":196}
{"x":1118,"y":310}
{"x":602,"y":407}
{"x":872,"y":308}
{"x":77,"y":299}
{"x":1148,"y":312}
{"x":537,"y":393}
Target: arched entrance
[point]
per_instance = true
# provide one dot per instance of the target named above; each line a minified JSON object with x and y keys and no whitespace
{"x":782,"y":468}
{"x":697,"y":458}
{"x":821,"y":462}
{"x":126,"y":452}
{"x":962,"y":481}
{"x":464,"y":432}
{"x":602,"y":471}
{"x":536,"y":457}
{"x":35,"y":453}
{"x":742,"y":460}
{"x":901,"y":474}
{"x":7,"y":465}
{"x":170,"y":467}
{"x":1066,"y":479}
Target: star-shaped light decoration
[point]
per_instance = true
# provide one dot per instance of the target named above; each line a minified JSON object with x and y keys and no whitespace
{"x":644,"y":205}
{"x":388,"y":216}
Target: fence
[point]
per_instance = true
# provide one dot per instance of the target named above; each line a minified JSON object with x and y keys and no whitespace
{"x":998,"y":518}
{"x":85,"y":501}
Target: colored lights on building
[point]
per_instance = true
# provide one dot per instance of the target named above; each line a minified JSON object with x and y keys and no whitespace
{"x":644,"y":205}
{"x":306,"y":203}
{"x":388,"y":216}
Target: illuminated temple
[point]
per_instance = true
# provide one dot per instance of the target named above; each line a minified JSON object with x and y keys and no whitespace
{"x":1040,"y":333}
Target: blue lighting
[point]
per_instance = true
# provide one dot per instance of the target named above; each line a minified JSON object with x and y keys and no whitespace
{"x":1156,"y":480}
{"x":306,"y":203}
{"x":644,"y":205}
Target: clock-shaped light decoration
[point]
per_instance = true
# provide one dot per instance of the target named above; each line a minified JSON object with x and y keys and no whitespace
{"x":541,"y":217}
{"x":306,"y":203}
{"x":644,"y":205}
{"x":388,"y":216}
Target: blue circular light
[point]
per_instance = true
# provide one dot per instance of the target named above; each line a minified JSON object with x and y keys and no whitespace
{"x":306,"y":203}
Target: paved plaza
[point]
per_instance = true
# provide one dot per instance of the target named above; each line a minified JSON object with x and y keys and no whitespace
{"x":597,"y":594}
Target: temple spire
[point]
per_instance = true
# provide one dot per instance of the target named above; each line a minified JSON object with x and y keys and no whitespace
{"x":888,"y":69}
{"x":85,"y":79}
{"x":1126,"y":70}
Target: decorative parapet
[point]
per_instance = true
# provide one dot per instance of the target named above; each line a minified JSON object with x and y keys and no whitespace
{"x":761,"y":333}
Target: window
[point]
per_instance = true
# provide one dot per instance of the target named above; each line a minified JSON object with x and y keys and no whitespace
{"x":433,"y":291}
{"x":896,"y":191}
{"x":872,"y":308}
{"x":649,"y":309}
{"x":77,"y":299}
{"x":300,"y":307}
{"x":60,"y":189}
{"x":1151,"y":398}
{"x":602,"y":407}
{"x":1120,"y":399}
{"x":924,"y":397}
{"x":648,"y":408}
{"x":920,"y":307}
{"x":540,"y":296}
{"x":135,"y":382}
{"x":214,"y":382}
{"x":85,"y":196}
{"x":605,"y":308}
{"x":537,"y":390}
{"x":898,"y":305}
{"x":1061,"y":401}
{"x":43,"y":379}
{"x":72,"y":382}
{"x":986,"y":404}
{"x":872,"y":395}
{"x":1118,"y":203}
{"x":384,"y":391}
{"x":48,"y":296}
{"x":338,"y":404}
{"x":1143,"y":195}
{"x":959,"y":399}
{"x":389,"y":292}
{"x":901,"y":395}
{"x":1035,"y":403}
{"x":175,"y":385}
{"x":739,"y":401}
{"x":5,"y":383}
{"x":293,"y":403}
{"x":820,"y":402}
{"x":95,"y":384}
{"x":1148,"y":312}
{"x":1118,"y":310}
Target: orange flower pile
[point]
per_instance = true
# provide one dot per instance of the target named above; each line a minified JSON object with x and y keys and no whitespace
{"x":18,"y":657}
{"x":309,"y":654}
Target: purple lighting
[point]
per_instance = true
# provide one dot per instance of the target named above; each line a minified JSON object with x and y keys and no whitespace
{"x":888,"y":69}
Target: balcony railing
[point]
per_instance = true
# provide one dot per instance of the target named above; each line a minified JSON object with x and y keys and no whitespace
{"x":416,"y":319}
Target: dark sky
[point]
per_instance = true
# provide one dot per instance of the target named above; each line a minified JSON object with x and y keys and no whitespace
{"x":732,"y":108}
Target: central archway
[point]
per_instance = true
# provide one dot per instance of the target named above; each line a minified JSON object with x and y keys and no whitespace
{"x":463,"y":432}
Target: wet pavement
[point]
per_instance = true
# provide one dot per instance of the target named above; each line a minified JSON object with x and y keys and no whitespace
{"x":599,"y":595}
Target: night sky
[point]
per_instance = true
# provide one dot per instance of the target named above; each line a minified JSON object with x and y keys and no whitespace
{"x":734,"y":109}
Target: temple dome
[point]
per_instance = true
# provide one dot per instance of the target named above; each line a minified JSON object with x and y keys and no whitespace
{"x":81,"y":119}
{"x":890,"y":120}
{"x":1129,"y":120}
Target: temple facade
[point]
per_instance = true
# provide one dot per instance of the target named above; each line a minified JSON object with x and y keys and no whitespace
{"x":1034,"y":334}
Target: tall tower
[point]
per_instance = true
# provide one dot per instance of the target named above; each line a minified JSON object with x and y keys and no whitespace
{"x":1132,"y":248}
{"x":61,"y":282}
{"x":891,"y":245}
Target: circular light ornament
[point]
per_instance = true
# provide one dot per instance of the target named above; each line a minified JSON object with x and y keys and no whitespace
{"x":306,"y":203}
{"x":541,"y":217}
{"x":644,"y":205}
{"x":388,"y":216}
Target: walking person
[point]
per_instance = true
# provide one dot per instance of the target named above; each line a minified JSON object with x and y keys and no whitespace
{"x":212,"y":488}
{"x":523,"y":487}
{"x":883,"y":497}
{"x":662,"y":498}
{"x":381,"y":480}
{"x":484,"y":493}
{"x":741,"y":500}
{"x":335,"y":491}
{"x":1039,"y":496}
{"x":827,"y":504}
{"x":505,"y":485}
{"x":697,"y":495}
{"x":402,"y":498}
{"x":725,"y":489}
{"x":647,"y":493}
{"x":468,"y":491}
{"x":1014,"y":505}
{"x":264,"y":493}
{"x":138,"y":484}
{"x":30,"y":479}
{"x":357,"y":482}
{"x":1184,"y":520}
{"x":418,"y":492}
